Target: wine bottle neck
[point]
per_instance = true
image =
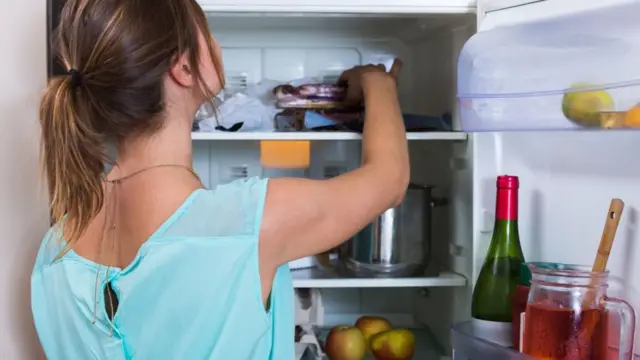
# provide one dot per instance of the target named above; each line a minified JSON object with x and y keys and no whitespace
{"x":506,"y":227}
{"x":507,"y":204}
{"x":505,"y":240}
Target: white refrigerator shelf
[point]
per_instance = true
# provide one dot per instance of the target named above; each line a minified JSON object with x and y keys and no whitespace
{"x":317,"y":278}
{"x":441,"y":135}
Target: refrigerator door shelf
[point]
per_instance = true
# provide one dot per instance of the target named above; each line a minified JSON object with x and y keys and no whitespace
{"x":514,"y":77}
{"x":341,"y":6}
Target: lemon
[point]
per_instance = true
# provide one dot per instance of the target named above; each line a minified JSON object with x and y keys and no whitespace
{"x":584,"y":107}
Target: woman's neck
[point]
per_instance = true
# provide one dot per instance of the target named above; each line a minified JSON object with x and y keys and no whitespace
{"x":171,"y":145}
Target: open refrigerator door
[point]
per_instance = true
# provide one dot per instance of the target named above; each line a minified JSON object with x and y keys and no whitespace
{"x":539,"y":84}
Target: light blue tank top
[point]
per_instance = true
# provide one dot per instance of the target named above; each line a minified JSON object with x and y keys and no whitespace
{"x":192,"y":292}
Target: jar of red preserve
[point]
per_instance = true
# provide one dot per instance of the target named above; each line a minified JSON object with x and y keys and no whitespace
{"x":519,"y":299}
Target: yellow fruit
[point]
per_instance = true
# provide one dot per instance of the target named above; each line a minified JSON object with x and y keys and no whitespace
{"x":584,"y":107}
{"x":396,"y":344}
{"x":632,"y":117}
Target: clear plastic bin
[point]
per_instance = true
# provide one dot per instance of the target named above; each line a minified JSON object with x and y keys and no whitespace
{"x":543,"y":111}
{"x":467,"y":345}
{"x":515,"y":77}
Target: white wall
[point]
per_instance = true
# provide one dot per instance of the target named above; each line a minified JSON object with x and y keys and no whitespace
{"x":23,"y":207}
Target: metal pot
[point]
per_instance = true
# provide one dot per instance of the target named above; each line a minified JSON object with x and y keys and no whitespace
{"x":398,"y":242}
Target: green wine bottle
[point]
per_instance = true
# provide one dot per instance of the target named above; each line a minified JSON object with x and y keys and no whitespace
{"x":491,"y":302}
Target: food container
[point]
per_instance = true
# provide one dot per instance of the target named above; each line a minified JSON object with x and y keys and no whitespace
{"x":569,"y":315}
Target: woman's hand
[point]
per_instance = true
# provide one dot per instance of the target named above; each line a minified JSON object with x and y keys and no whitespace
{"x":359,"y":78}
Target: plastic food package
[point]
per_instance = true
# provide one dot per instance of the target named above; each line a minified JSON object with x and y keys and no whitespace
{"x":294,"y":119}
{"x":310,"y":96}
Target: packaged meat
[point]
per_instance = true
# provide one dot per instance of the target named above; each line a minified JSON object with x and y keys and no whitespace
{"x":294,"y":119}
{"x":310,"y":96}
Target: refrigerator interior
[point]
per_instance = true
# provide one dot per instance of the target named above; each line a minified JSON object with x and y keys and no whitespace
{"x":291,"y":46}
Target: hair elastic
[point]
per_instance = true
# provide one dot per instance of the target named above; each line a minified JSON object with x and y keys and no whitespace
{"x":76,"y":77}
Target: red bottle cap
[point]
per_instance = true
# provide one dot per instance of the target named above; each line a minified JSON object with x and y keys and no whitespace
{"x":507,"y":197}
{"x":508,"y":182}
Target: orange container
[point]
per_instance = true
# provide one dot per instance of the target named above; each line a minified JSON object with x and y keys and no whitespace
{"x":285,"y":154}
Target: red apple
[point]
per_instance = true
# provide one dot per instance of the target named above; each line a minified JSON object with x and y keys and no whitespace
{"x":345,"y":342}
{"x":372,"y":325}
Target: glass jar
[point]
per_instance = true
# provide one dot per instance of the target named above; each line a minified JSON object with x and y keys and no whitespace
{"x":569,"y":316}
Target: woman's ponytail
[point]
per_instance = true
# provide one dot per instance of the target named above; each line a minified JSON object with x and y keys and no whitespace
{"x":72,"y":156}
{"x":114,"y":90}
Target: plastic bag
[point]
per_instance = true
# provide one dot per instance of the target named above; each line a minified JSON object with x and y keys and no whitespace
{"x":254,"y":107}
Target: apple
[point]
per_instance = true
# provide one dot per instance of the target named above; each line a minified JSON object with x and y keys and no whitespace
{"x":345,"y":342}
{"x":396,"y":344}
{"x":372,"y":325}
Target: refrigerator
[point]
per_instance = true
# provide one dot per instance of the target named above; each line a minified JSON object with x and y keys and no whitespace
{"x":496,"y":65}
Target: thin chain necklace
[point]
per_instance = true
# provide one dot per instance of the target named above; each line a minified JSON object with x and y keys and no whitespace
{"x":111,"y":231}
{"x":121,"y":179}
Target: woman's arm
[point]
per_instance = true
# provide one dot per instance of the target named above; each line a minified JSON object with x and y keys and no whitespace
{"x":305,"y":217}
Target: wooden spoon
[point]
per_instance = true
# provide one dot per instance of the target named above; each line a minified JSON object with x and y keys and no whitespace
{"x":600,"y":263}
{"x":606,"y":242}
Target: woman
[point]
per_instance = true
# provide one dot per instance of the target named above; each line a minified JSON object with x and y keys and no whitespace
{"x":144,"y":262}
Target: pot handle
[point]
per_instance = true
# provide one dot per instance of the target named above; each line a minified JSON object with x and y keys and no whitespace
{"x":437,"y":201}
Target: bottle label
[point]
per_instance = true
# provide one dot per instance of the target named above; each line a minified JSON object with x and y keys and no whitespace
{"x":494,"y":331}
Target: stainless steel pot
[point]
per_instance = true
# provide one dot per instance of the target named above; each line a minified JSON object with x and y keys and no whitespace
{"x":398,"y":242}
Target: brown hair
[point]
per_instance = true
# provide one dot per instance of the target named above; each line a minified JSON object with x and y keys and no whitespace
{"x":120,"y":51}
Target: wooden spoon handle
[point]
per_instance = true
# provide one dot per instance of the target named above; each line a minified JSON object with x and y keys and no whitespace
{"x":608,"y":234}
{"x":600,"y":265}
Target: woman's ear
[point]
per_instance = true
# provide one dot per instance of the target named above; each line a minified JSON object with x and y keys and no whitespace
{"x":181,"y":72}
